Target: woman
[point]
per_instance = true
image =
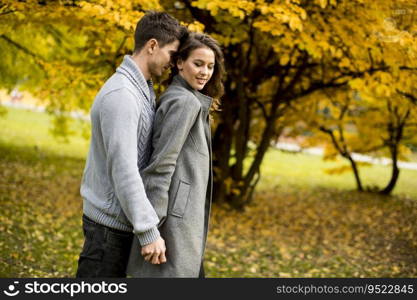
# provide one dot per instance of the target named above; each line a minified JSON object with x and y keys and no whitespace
{"x":178,"y":179}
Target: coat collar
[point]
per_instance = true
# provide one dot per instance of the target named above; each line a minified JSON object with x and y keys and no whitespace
{"x":205,"y":101}
{"x":129,"y":68}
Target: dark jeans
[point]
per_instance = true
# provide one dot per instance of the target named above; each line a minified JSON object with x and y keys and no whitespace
{"x":105,"y":252}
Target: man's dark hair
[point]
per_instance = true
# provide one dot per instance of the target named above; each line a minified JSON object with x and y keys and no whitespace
{"x":160,"y":26}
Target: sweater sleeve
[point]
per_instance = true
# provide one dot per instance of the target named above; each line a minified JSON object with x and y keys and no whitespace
{"x":174,"y":120}
{"x":119,"y":118}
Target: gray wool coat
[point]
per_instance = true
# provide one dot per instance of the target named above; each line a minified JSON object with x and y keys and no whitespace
{"x":178,"y":182}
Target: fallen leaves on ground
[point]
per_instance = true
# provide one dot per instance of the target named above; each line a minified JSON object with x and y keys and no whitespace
{"x":315,"y":233}
{"x":291,"y":232}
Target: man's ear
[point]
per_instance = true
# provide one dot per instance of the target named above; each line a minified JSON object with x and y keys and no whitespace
{"x":151,"y":46}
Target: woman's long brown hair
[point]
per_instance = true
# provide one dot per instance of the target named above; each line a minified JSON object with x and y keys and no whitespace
{"x":214,"y":87}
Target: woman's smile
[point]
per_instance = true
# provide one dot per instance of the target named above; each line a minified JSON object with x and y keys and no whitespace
{"x":201,"y":81}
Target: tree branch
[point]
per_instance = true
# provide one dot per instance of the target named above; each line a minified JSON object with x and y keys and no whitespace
{"x":22,"y":48}
{"x":409,"y":96}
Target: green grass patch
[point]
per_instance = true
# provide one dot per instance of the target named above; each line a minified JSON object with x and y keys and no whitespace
{"x":26,"y":128}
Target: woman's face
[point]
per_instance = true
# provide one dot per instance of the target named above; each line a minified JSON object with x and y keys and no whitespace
{"x":198,"y":68}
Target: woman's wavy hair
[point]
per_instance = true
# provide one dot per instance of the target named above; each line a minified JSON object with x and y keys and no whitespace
{"x":214,"y":87}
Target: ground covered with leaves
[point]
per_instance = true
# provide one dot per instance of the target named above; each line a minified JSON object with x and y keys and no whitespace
{"x":315,"y":233}
{"x":290,"y":230}
{"x":291,"y":233}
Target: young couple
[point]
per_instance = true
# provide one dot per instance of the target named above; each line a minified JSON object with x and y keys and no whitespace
{"x":147,"y":183}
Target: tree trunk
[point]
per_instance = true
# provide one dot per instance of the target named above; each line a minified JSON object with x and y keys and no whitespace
{"x":395,"y":171}
{"x":356,"y":173}
{"x":221,"y":155}
{"x":342,"y":148}
{"x":396,"y":135}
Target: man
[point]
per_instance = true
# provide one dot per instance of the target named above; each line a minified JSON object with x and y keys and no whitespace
{"x":116,"y":208}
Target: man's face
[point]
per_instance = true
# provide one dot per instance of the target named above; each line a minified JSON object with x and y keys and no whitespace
{"x":162,"y":57}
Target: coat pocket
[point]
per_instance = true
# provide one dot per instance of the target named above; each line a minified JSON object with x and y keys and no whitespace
{"x":200,"y":143}
{"x":181,"y":199}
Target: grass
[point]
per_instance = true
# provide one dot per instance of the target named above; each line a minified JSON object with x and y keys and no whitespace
{"x":281,"y":169}
{"x":25,"y":128}
{"x":303,"y":222}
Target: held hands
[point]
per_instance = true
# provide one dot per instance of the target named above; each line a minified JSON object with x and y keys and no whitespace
{"x":155,"y":252}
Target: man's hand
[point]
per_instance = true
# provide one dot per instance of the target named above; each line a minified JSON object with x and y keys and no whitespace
{"x":155,"y":252}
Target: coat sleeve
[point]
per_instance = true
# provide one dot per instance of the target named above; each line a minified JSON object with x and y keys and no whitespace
{"x":173,"y":122}
{"x":119,"y":121}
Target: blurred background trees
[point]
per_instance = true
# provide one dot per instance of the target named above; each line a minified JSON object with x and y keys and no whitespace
{"x":342,"y":71}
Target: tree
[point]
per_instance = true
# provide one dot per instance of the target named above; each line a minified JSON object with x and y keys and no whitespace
{"x":277,"y":53}
{"x":352,"y":123}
